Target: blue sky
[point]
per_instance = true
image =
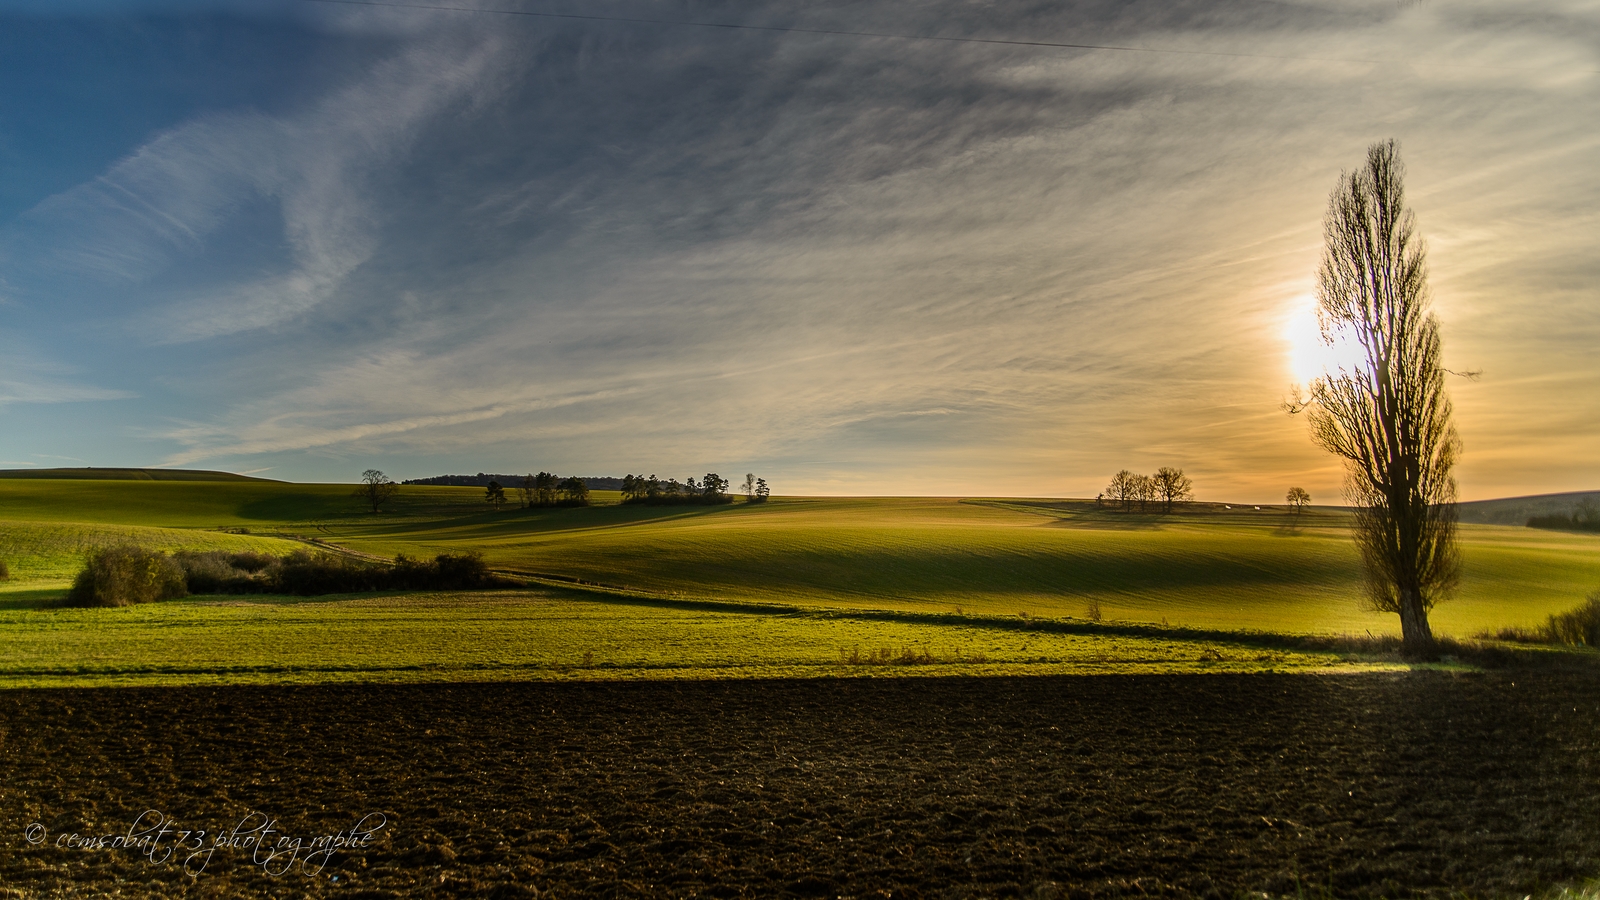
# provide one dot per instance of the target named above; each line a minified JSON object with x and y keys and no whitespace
{"x":306,"y":239}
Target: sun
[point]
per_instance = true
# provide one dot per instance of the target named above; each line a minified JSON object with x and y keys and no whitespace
{"x":1310,"y":357}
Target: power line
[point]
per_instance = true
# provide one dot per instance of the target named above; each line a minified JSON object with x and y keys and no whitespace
{"x":880,"y":34}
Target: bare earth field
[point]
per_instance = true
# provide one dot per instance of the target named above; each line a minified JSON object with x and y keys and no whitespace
{"x":1370,"y":785}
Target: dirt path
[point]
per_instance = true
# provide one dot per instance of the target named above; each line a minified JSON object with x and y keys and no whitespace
{"x":1090,"y":786}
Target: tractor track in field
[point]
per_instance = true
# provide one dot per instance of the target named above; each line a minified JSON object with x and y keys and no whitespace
{"x":1418,"y":784}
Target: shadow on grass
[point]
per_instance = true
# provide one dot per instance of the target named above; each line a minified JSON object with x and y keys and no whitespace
{"x":13,"y":599}
{"x":1364,"y":648}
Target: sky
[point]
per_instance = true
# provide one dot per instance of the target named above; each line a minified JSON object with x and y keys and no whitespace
{"x":303,"y":239}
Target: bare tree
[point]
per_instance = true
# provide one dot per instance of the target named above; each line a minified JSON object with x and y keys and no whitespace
{"x":1144,"y":490}
{"x":1123,"y":488}
{"x":529,"y":490}
{"x":1172,"y":485}
{"x":375,"y":488}
{"x":1388,"y":416}
{"x":749,"y":486}
{"x":1297,"y":499}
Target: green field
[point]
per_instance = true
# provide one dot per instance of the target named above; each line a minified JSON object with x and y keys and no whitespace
{"x":553,"y":634}
{"x":788,"y":583}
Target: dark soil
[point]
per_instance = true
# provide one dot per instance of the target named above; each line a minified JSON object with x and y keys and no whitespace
{"x":1210,"y":785}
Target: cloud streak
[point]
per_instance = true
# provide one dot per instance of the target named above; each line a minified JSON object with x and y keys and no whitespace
{"x":857,"y":264}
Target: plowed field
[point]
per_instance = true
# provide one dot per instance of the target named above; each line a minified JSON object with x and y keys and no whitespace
{"x":1373,"y":785}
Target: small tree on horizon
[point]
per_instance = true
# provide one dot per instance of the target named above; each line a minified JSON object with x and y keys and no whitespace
{"x":762,"y":491}
{"x":1144,"y":489}
{"x":529,"y":490}
{"x":544,"y":488}
{"x":1123,"y":489}
{"x":1297,"y":499}
{"x":376,"y":489}
{"x":714,"y":487}
{"x":574,"y":491}
{"x":1172,"y":485}
{"x":494,"y":494}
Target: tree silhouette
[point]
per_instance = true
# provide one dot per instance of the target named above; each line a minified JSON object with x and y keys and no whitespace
{"x":544,"y":488}
{"x":1172,"y":485}
{"x":1387,"y":416}
{"x":1297,"y":499}
{"x":494,"y":494}
{"x":1124,"y":488}
{"x":574,"y":491}
{"x":376,"y":489}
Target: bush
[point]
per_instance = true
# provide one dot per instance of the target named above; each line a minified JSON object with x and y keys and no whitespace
{"x":220,"y":572}
{"x":119,"y":576}
{"x":446,"y":572}
{"x":5,"y":573}
{"x":308,"y":573}
{"x":1577,"y":626}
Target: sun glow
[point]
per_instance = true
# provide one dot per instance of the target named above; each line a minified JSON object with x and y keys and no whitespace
{"x":1309,"y":356}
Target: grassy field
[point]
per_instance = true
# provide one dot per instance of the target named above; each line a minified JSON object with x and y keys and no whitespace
{"x":787,"y":583}
{"x":555,"y":634}
{"x":1211,"y":568}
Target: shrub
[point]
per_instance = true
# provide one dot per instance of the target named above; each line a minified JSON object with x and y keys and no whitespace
{"x":461,"y":570}
{"x":1580,"y":625}
{"x":250,"y":561}
{"x":5,"y":573}
{"x":121,"y":575}
{"x":219,"y":572}
{"x":306,"y":573}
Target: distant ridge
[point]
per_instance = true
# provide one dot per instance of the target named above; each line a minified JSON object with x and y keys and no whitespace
{"x":90,"y":473}
{"x":1518,"y":510}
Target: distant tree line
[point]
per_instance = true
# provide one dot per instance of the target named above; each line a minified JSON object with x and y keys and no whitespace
{"x":547,"y":489}
{"x":543,"y":489}
{"x":1166,"y":487}
{"x":595,"y":482}
{"x":1585,"y":518}
{"x":653,"y":491}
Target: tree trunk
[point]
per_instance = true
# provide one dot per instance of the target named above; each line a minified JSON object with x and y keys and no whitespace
{"x":1416,"y":638}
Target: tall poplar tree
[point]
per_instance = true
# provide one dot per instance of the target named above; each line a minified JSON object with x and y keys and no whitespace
{"x":1387,"y":415}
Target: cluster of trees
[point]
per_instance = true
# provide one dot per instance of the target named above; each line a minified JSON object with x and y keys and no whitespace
{"x":547,"y":489}
{"x":1167,"y":486}
{"x":1585,"y":518}
{"x":543,"y":489}
{"x":711,"y":490}
{"x":755,"y":489}
{"x":509,"y":482}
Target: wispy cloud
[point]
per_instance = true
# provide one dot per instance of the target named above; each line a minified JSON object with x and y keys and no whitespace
{"x":865,"y":264}
{"x":164,"y":205}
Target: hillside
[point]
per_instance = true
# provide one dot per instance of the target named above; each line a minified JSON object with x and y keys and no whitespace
{"x":1518,"y":510}
{"x":1205,"y":565}
{"x":91,"y":473}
